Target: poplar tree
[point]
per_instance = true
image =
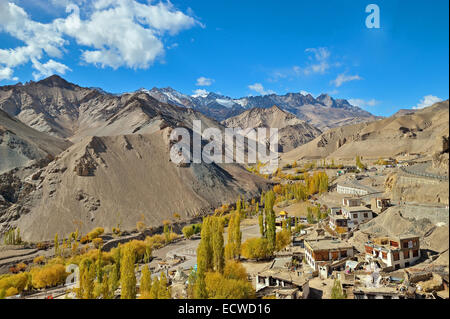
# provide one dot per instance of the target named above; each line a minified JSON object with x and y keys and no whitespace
{"x":127,"y":276}
{"x":87,"y":277}
{"x":217,"y":244}
{"x":233,"y":247}
{"x":262,"y":228}
{"x":270,"y":220}
{"x":155,"y":289}
{"x":164,"y":291}
{"x":56,"y":242}
{"x":146,"y":282}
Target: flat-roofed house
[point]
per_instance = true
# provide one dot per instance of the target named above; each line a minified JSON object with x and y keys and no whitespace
{"x":351,"y":201}
{"x":356,"y":215}
{"x":399,"y":252}
{"x":282,"y":283}
{"x":379,"y":205}
{"x":319,"y":252}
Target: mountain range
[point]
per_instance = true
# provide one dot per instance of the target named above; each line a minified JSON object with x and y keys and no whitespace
{"x":323,"y":112}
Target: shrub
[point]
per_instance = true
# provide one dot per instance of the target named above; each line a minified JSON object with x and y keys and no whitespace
{"x":95,"y":233}
{"x":140,"y":226}
{"x":234,"y":270}
{"x":48,"y":276}
{"x":190,"y":230}
{"x":98,"y":242}
{"x":219,"y":287}
{"x":255,"y":248}
{"x":283,"y":238}
{"x":39,"y":260}
{"x":84,"y":239}
{"x":18,"y":281}
{"x":12,"y":291}
{"x":21,"y":267}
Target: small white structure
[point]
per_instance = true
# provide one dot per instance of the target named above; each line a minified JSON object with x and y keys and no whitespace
{"x":348,"y":188}
{"x":356,"y":215}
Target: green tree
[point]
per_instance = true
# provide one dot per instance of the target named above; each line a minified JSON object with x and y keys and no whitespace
{"x":270,"y":219}
{"x":146,"y":281}
{"x":164,"y":290}
{"x":127,"y":275}
{"x":56,"y":243}
{"x":87,"y":279}
{"x":336,"y":291}
{"x":233,"y":247}
{"x":262,"y":227}
{"x":359,"y":164}
{"x":217,"y":244}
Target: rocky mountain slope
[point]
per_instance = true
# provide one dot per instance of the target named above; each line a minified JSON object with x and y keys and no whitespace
{"x":292,"y":132}
{"x":120,"y":180}
{"x":117,"y":172}
{"x":420,"y":132}
{"x":20,"y":144}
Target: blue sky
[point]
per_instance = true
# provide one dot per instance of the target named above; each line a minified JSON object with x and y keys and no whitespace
{"x":236,"y":48}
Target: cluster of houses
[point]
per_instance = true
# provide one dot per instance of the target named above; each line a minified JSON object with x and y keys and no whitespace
{"x":353,"y":213}
{"x":383,"y":270}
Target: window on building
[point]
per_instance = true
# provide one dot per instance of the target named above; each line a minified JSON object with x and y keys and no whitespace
{"x":343,"y":253}
{"x":384,"y":255}
{"x":396,"y":256}
{"x":397,"y":266}
{"x":366,"y":215}
{"x":355,"y":216}
{"x":415,"y":253}
{"x":406,"y":254}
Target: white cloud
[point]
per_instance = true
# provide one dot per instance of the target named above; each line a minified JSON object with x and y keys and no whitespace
{"x":200,"y":92}
{"x":202,"y":81}
{"x":5,"y":73}
{"x":363,"y":103}
{"x":113,"y":33}
{"x":342,"y":78}
{"x":319,"y":61}
{"x":49,"y":68}
{"x":258,"y":87}
{"x":427,"y":101}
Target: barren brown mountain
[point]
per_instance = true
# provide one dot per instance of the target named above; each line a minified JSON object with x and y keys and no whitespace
{"x":421,"y":132}
{"x":292,"y":132}
{"x":20,"y":144}
{"x":119,"y":171}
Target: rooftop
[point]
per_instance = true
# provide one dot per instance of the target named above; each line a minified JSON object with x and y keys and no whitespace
{"x":356,"y":209}
{"x":324,"y":244}
{"x":285,"y":275}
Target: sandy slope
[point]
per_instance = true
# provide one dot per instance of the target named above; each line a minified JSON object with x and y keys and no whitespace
{"x":20,"y":144}
{"x":420,"y":132}
{"x":292,"y":132}
{"x":129,"y":176}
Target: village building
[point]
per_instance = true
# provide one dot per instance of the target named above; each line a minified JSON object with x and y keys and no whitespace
{"x":397,"y":253}
{"x":356,"y":215}
{"x":379,"y":205}
{"x":325,"y":252}
{"x":351,"y":201}
{"x":281,"y":281}
{"x":353,"y":188}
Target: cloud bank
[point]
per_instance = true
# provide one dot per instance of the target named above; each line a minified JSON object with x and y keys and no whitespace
{"x":110,"y":33}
